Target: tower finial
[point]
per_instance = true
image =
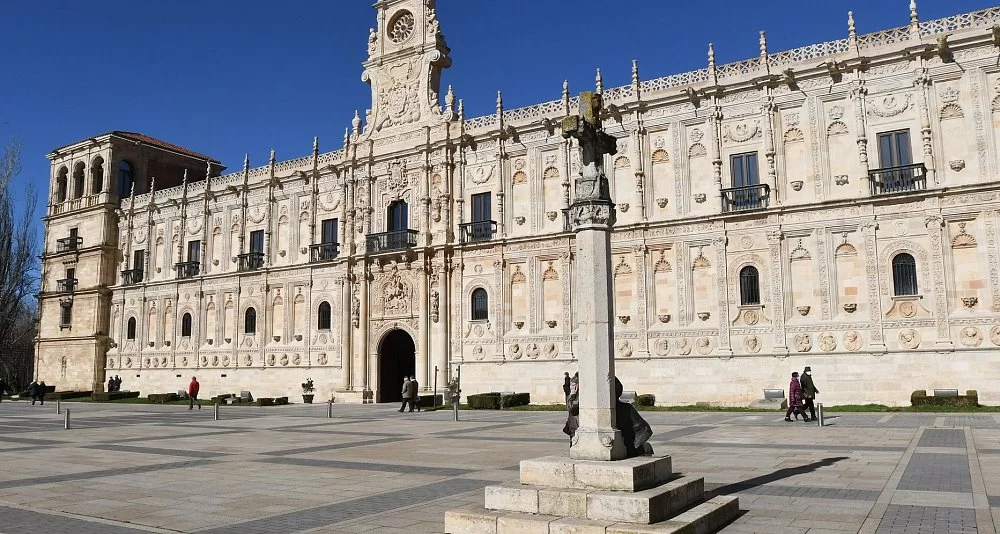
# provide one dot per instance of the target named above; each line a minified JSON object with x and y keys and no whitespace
{"x":356,"y":123}
{"x":270,"y":160}
{"x":763,"y":44}
{"x":315,"y":144}
{"x":711,"y":56}
{"x":600,"y":82}
{"x":246,"y":161}
{"x":499,"y":102}
{"x":851,"y":31}
{"x":913,"y":12}
{"x":635,"y":72}
{"x":184,"y":181}
{"x":449,"y":101}
{"x":461,"y":109}
{"x":347,"y":136}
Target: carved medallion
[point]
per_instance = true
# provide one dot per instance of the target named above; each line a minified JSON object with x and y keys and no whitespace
{"x":624,"y":349}
{"x":752,"y":344}
{"x":661,"y":347}
{"x":704,"y":345}
{"x":827,"y":342}
{"x":531,"y":351}
{"x":515,"y":351}
{"x":803,"y":343}
{"x":683,"y":346}
{"x":909,"y":339}
{"x":971,"y":337}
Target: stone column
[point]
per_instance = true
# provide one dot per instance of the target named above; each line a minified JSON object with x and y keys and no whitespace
{"x":877,"y":336}
{"x":440,"y":339}
{"x":774,"y":238}
{"x":934,"y":223}
{"x":361,"y":381}
{"x":346,"y":328}
{"x":592,"y":215}
{"x":423,"y":327}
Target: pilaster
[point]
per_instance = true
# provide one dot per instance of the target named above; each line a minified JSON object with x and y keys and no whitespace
{"x":934,"y":223}
{"x":877,"y":339}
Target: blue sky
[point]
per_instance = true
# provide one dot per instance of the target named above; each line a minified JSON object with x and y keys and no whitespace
{"x":228,"y":77}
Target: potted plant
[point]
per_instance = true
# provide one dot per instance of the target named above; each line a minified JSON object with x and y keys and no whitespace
{"x":307,"y":391}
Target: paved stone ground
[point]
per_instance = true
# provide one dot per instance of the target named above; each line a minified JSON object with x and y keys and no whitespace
{"x":126,"y":469}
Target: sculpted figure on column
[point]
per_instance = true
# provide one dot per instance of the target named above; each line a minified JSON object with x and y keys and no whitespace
{"x":592,"y":215}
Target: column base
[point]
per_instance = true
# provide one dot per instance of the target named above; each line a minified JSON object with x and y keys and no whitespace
{"x":597,"y":444}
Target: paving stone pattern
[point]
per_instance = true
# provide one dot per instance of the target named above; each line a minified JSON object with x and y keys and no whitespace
{"x":290,"y":469}
{"x":937,"y":472}
{"x":900,"y":519}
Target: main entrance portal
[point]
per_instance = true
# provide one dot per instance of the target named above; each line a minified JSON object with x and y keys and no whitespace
{"x":396,"y":359}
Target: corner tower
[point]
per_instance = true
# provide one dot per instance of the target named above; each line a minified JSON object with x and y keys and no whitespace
{"x":406,"y":55}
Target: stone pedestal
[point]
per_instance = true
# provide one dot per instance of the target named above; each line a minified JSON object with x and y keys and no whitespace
{"x":560,"y":495}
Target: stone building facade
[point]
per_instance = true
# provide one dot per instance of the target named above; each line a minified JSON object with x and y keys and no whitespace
{"x":833,"y":205}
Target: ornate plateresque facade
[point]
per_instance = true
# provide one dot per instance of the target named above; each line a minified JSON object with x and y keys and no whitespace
{"x":833,"y":205}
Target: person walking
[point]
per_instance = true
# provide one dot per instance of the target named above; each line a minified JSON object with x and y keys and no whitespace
{"x":193,"y":388}
{"x":566,"y":385}
{"x":118,"y":383}
{"x":809,"y":393}
{"x":573,"y":408}
{"x":111,"y":384}
{"x":794,"y":398}
{"x":406,"y":393}
{"x":414,"y":394}
{"x":3,"y":388}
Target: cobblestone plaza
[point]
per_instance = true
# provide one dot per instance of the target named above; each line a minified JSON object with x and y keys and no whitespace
{"x":125,"y":469}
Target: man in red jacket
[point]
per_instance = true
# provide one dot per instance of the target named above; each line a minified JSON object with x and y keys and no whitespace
{"x":193,"y":388}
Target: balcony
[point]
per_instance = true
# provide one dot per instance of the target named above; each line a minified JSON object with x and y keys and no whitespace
{"x":477,"y":232}
{"x":251,"y":261}
{"x":131,"y":277}
{"x":390,"y":241}
{"x":324,"y":252}
{"x":187,"y":269}
{"x":68,"y":244}
{"x":745,"y":198}
{"x":900,"y":179}
{"x":66,"y":285}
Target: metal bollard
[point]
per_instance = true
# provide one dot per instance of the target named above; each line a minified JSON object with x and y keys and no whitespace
{"x":66,"y":420}
{"x":329,"y":409}
{"x":58,"y":407}
{"x":454,"y":405}
{"x":216,"y":411}
{"x":819,"y":413}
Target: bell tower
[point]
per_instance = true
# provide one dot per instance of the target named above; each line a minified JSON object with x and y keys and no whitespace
{"x":406,"y":55}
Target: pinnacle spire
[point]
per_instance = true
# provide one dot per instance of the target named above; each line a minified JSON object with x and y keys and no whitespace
{"x":600,"y":82}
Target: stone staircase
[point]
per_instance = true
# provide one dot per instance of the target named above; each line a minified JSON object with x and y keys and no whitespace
{"x":557,"y":495}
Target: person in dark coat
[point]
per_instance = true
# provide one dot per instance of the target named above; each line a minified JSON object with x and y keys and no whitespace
{"x":809,"y":392}
{"x":635,"y":430}
{"x":572,"y":408}
{"x":794,"y":398}
{"x":414,"y":394}
{"x":111,"y":384}
{"x":406,"y":393}
{"x":3,"y":388}
{"x":566,"y":384}
{"x":118,"y":383}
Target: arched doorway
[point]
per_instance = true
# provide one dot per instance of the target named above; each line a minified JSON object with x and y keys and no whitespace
{"x":396,"y":359}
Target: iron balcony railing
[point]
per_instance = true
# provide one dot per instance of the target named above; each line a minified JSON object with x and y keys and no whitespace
{"x":745,"y":198}
{"x":251,"y":261}
{"x":131,"y":276}
{"x":324,"y":252}
{"x":898,"y":179}
{"x":66,"y":285}
{"x":187,"y":269}
{"x":390,"y":241}
{"x":476,"y":232}
{"x":68,"y":244}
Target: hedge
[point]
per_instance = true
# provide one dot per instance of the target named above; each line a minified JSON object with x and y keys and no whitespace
{"x":920,"y":398}
{"x":114,"y":395}
{"x":265,"y":402}
{"x":63,"y":395}
{"x":494,"y":401}
{"x":161,"y":398}
{"x":647,"y":399}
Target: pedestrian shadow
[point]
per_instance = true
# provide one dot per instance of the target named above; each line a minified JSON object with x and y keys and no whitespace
{"x":744,"y":485}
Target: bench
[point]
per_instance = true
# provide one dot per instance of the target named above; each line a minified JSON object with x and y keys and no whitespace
{"x":774,"y":394}
{"x":628,"y":397}
{"x":773,"y":398}
{"x":945,"y":392}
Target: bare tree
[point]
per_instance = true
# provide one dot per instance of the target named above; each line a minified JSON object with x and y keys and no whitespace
{"x":18,"y":263}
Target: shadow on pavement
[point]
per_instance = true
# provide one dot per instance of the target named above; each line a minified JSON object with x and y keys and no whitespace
{"x":744,"y":485}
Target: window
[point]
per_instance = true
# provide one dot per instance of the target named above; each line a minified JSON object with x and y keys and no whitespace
{"x":186,"y":325}
{"x":194,"y":251}
{"x":79,"y":176}
{"x":324,"y":317}
{"x":749,"y":286}
{"x":904,"y":275}
{"x":126,"y":178}
{"x":138,"y":259}
{"x":480,"y":305}
{"x":481,"y":207}
{"x":744,"y":169}
{"x":97,"y":175}
{"x":257,"y":241}
{"x":894,"y":149}
{"x":66,"y":315}
{"x":61,"y":181}
{"x":329,"y":231}
{"x":250,"y":322}
{"x":130,"y":330}
{"x":71,"y":274}
{"x":398,"y":216}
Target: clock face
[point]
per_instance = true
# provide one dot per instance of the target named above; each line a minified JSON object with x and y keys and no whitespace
{"x":401,"y":27}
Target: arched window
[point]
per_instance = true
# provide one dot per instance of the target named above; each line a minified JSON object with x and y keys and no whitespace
{"x":749,"y":286}
{"x":61,"y":181}
{"x":398,"y":216}
{"x":324,"y":318}
{"x":186,"y":325}
{"x":904,"y":275}
{"x":78,"y":180}
{"x":97,"y":175}
{"x":480,"y":305}
{"x":126,"y":177}
{"x":250,"y":322}
{"x":130,"y":331}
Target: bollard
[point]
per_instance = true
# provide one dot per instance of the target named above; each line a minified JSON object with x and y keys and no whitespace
{"x":216,"y":411}
{"x":434,"y":399}
{"x":329,"y":409}
{"x":819,"y":413}
{"x":58,"y":407}
{"x":66,"y":420}
{"x":454,"y":407}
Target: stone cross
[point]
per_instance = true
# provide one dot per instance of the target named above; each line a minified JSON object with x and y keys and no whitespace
{"x":592,"y":215}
